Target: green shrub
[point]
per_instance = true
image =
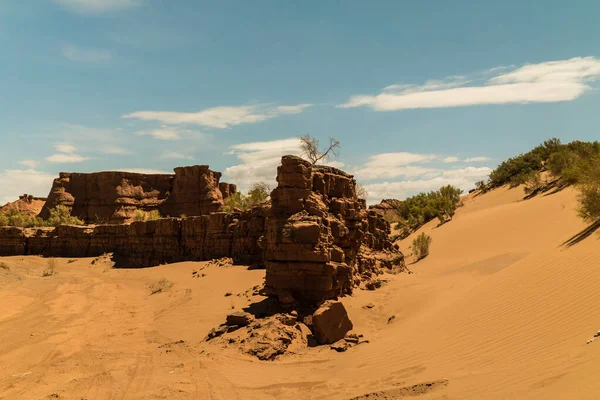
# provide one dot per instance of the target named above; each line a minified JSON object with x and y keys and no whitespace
{"x":153,"y":215}
{"x":257,"y":195}
{"x":423,"y":207}
{"x":60,"y":215}
{"x":533,"y":183}
{"x":481,"y":186}
{"x":139,"y":216}
{"x":421,"y":246}
{"x":589,"y":191}
{"x":143,"y":216}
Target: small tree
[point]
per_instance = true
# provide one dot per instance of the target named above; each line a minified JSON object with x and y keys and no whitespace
{"x":421,"y":246}
{"x":310,"y":148}
{"x":481,"y":186}
{"x":257,"y":195}
{"x":361,"y":192}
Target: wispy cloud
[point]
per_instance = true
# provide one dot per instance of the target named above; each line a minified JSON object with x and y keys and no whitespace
{"x":66,"y":153}
{"x":176,"y":155}
{"x":85,"y":55}
{"x":30,"y":163}
{"x":552,"y":81}
{"x":453,"y":159}
{"x":391,"y":165}
{"x":97,"y":6}
{"x":218,"y":117}
{"x":163,"y":133}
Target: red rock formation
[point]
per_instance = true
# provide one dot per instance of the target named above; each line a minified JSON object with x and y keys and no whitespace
{"x":27,"y":204}
{"x":388,"y":208}
{"x":315,"y":231}
{"x":195,"y":192}
{"x":113,"y":197}
{"x":316,"y":239}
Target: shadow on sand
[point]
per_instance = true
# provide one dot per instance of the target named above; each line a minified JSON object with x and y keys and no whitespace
{"x":582,"y":235}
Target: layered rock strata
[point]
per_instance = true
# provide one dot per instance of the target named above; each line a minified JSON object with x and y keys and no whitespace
{"x":113,"y":197}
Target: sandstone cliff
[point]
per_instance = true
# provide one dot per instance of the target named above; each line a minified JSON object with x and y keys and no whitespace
{"x":113,"y":197}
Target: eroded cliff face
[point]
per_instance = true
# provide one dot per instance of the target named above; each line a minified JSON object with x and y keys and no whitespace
{"x":319,"y":235}
{"x":112,"y":197}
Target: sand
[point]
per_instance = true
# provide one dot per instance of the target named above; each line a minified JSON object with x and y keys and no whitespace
{"x":501,"y":309}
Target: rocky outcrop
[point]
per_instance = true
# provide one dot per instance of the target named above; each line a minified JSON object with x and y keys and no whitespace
{"x":388,"y":208}
{"x":26,"y":204}
{"x":145,"y":244}
{"x":195,"y":192}
{"x":113,"y":197}
{"x":314,"y":234}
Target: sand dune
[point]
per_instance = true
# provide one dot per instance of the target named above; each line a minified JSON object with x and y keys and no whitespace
{"x":500,"y":309}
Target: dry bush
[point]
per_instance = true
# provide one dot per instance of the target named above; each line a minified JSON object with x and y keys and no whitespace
{"x":161,"y":286}
{"x":421,"y":246}
{"x":4,"y":266}
{"x":533,"y":183}
{"x":50,"y":268}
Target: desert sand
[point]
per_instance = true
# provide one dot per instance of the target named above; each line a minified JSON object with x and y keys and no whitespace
{"x":501,"y":309}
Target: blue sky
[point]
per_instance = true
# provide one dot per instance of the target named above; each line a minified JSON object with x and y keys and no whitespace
{"x":420,"y":93}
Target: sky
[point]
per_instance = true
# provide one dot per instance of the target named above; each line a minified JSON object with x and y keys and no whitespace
{"x":419,"y":93}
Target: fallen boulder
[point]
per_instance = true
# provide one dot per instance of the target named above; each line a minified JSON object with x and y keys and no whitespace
{"x":330,"y":322}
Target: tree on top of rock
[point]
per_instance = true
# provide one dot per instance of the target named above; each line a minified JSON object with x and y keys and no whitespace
{"x":311,"y":151}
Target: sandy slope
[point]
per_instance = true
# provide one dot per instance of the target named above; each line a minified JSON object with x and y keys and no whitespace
{"x":500,"y":309}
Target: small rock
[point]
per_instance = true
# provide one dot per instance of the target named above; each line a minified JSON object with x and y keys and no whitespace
{"x":590,"y":341}
{"x":239,"y":319}
{"x":215,"y":332}
{"x":231,"y":328}
{"x":227,"y":294}
{"x":597,"y":334}
{"x":369,"y":306}
{"x":307,"y":335}
{"x":391,"y":319}
{"x":340,"y":346}
{"x":287,"y":319}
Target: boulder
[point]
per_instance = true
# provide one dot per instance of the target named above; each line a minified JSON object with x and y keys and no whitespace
{"x":330,"y":322}
{"x":239,"y":319}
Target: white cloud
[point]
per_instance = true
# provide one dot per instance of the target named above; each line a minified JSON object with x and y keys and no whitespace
{"x":553,"y":81}
{"x":392,"y":165}
{"x":476,"y":159}
{"x":463,"y":178}
{"x":176,"y":155}
{"x":163,"y":133}
{"x":65,"y":148}
{"x":83,"y":55}
{"x":66,"y":154}
{"x":259,"y":161}
{"x":468,"y":159}
{"x":15,"y":182}
{"x":62,"y":158}
{"x":113,"y":149}
{"x":218,"y":117}
{"x":97,"y":6}
{"x":450,"y":159}
{"x":30,"y":163}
